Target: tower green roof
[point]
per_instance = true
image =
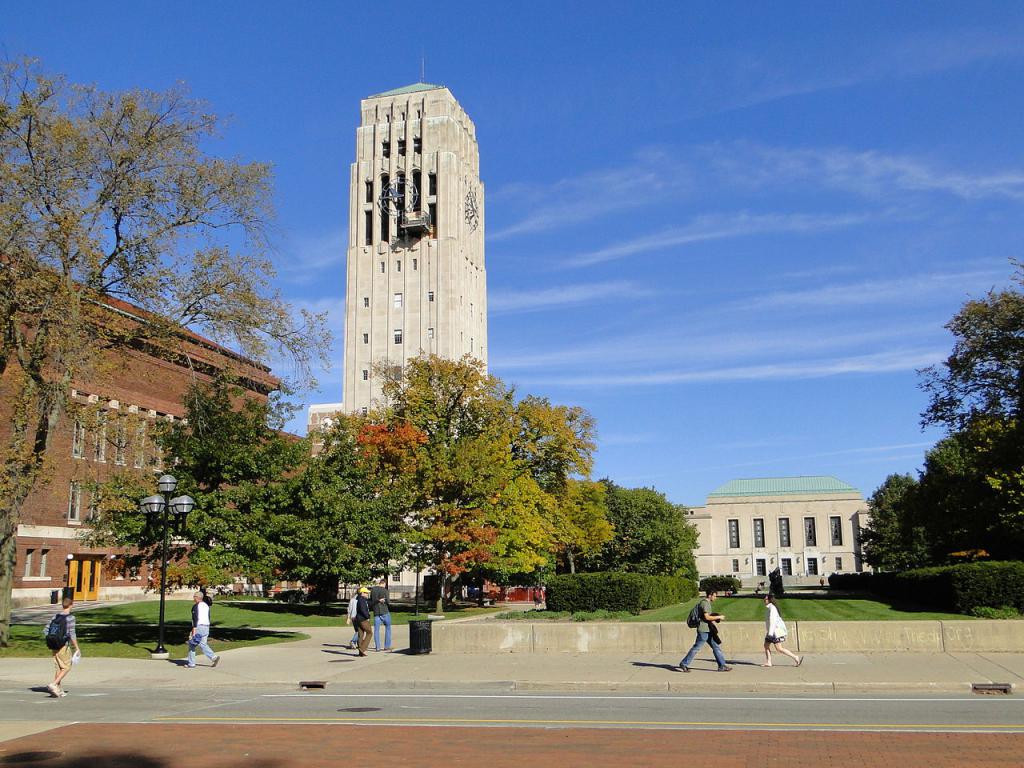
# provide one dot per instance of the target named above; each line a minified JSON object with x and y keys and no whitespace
{"x":782,"y":486}
{"x":414,"y":88}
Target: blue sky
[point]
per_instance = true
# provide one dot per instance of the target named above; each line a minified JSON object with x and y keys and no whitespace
{"x":731,"y":233}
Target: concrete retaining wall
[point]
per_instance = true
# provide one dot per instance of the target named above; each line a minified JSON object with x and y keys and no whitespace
{"x":737,"y":637}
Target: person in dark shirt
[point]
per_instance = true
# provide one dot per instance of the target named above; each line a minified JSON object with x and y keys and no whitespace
{"x":362,"y":619}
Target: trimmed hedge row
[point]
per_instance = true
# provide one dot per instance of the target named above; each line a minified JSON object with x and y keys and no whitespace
{"x":959,"y":588}
{"x":720,"y":584}
{"x":633,"y":592}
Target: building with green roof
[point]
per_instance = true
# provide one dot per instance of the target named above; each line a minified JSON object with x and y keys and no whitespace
{"x":806,"y":526}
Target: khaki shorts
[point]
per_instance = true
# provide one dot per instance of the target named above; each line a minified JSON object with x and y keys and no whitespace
{"x":62,"y":658}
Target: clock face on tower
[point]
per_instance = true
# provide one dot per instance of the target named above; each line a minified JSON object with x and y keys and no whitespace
{"x":471,"y":212}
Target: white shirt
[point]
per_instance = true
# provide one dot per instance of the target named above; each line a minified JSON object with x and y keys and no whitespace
{"x":352,"y":604}
{"x":773,"y":623}
{"x":202,"y":614}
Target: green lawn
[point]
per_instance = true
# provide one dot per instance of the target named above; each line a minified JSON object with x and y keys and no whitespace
{"x":136,"y":641}
{"x":257,"y":613}
{"x":751,"y":608}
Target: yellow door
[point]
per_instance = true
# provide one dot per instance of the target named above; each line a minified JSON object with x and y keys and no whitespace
{"x":84,"y":577}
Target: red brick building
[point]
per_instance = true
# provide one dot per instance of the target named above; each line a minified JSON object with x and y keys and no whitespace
{"x":109,"y":432}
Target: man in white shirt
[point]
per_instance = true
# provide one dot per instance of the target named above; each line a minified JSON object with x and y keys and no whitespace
{"x":200,"y":632}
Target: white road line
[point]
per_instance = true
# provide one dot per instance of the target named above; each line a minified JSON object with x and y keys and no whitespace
{"x":972,"y":699}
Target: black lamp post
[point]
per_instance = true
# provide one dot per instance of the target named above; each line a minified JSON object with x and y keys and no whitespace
{"x":159,"y":504}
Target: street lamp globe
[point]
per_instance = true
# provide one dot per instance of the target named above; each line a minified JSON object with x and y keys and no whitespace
{"x":167,"y":484}
{"x":182,"y":505}
{"x":152,"y":504}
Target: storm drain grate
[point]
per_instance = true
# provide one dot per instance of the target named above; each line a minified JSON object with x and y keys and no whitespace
{"x":992,"y":688}
{"x":312,"y":684}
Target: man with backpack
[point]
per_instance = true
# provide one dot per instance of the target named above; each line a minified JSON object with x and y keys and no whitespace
{"x":60,"y":636}
{"x":702,"y":619}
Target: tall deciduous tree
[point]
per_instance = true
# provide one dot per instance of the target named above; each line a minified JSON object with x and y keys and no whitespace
{"x":652,"y":534}
{"x":113,"y":195}
{"x":581,"y":524}
{"x":489,"y":472}
{"x":892,"y":540}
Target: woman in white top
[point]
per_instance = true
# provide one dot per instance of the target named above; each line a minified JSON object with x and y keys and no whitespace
{"x":775,"y":633}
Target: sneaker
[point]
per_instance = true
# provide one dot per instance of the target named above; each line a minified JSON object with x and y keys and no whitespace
{"x":216,"y":660}
{"x":61,"y":693}
{"x":54,"y":690}
{"x":190,"y":666}
{"x":725,"y":669}
{"x":683,"y":668}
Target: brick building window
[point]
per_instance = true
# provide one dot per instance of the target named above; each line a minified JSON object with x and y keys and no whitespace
{"x":140,"y":446}
{"x":120,"y":442}
{"x":43,"y":557}
{"x":75,"y":502}
{"x":78,"y":439}
{"x":100,"y":437}
{"x":28,"y":562}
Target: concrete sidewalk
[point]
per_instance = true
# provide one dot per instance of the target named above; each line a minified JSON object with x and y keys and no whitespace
{"x":325,"y":657}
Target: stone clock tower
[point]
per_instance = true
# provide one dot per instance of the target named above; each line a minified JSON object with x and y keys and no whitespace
{"x":416,"y":282}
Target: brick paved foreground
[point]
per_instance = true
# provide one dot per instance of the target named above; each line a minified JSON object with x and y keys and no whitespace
{"x":312,"y":746}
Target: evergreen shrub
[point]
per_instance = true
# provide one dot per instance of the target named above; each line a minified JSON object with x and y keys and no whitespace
{"x":720,"y":584}
{"x":632,"y":592}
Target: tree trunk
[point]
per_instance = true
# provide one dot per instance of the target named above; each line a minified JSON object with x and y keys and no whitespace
{"x":572,"y":561}
{"x":8,"y":550}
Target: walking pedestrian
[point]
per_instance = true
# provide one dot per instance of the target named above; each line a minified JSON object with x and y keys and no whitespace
{"x":705,"y":616}
{"x":60,"y":636}
{"x":200,"y":633}
{"x":363,"y":619}
{"x":381,"y":614}
{"x":352,"y":603}
{"x":775,"y":633}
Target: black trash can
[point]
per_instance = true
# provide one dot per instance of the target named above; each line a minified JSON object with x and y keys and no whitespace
{"x":54,"y":596}
{"x":419,"y":636}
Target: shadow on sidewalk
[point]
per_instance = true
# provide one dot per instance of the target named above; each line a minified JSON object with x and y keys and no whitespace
{"x":667,"y":667}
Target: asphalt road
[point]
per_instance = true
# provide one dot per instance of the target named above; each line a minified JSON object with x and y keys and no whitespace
{"x":965,"y":713}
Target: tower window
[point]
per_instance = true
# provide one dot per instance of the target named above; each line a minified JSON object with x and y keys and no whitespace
{"x":430,"y":295}
{"x":363,"y":411}
{"x":366,"y":301}
{"x":398,"y":335}
{"x":432,"y":184}
{"x":385,"y":148}
{"x":430,"y":333}
{"x":398,"y":301}
{"x":366,"y":338}
{"x":432,"y":209}
{"x":383,"y":267}
{"x":369,"y":192}
{"x":401,"y":147}
{"x":417,"y":144}
{"x":414,"y":263}
{"x":398,"y":266}
{"x":385,"y":227}
{"x":368,"y":228}
{"x":366,"y":374}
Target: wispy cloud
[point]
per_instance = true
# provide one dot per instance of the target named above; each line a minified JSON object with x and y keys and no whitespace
{"x":310,"y":259}
{"x":597,"y":193}
{"x":563,"y":296}
{"x":720,"y":227}
{"x":875,"y":292}
{"x":869,"y":454}
{"x":623,"y":438}
{"x":882,"y":362}
{"x":868,"y":173}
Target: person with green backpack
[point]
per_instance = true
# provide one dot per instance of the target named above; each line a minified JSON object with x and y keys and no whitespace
{"x":703,"y":619}
{"x":60,"y":636}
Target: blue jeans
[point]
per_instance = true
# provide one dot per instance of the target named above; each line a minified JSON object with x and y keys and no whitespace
{"x":702,"y":637}
{"x":199,"y":639}
{"x":386,"y":621}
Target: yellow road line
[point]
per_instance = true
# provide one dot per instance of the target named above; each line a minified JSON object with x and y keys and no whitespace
{"x":958,"y":726}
